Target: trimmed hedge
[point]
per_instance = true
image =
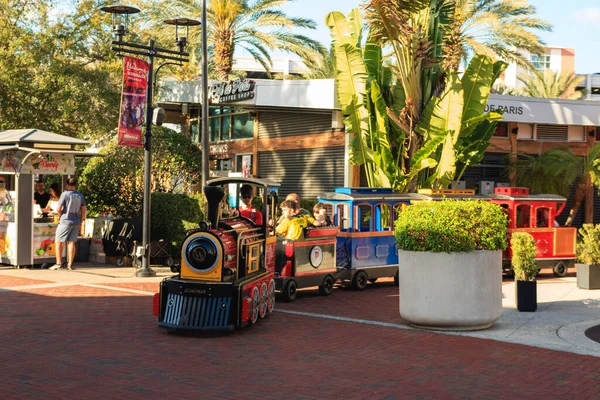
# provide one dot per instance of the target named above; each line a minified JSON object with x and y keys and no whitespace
{"x":523,"y":249}
{"x":172,"y":214}
{"x":588,"y":244}
{"x":451,"y":226}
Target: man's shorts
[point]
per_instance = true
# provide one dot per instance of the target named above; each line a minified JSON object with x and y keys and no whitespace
{"x":67,"y":231}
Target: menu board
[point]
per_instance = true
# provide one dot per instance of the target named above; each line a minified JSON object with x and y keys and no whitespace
{"x":43,"y":241}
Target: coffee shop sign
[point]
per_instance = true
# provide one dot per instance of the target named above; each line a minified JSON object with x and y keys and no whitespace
{"x":239,"y":89}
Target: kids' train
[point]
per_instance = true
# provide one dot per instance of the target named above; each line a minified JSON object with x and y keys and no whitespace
{"x":232,"y":267}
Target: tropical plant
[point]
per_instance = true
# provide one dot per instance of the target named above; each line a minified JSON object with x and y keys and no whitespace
{"x":439,"y":128}
{"x":451,"y":226}
{"x":114,"y":183}
{"x":523,"y":249}
{"x":588,"y":244}
{"x":555,"y":170}
{"x":255,"y":26}
{"x":551,"y":84}
{"x":499,"y":29}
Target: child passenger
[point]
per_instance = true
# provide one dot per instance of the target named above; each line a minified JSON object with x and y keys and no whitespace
{"x":293,"y":223}
{"x":320,"y":214}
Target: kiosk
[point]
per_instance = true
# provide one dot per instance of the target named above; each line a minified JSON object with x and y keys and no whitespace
{"x":26,"y":239}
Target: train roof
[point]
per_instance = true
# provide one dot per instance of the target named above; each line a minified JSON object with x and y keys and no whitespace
{"x":530,"y":197}
{"x":374,"y":196}
{"x":240,"y":180}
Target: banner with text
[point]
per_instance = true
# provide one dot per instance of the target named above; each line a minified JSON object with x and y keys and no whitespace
{"x":133,"y":101}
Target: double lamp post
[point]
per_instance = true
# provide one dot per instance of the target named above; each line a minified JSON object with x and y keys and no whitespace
{"x":120,"y":22}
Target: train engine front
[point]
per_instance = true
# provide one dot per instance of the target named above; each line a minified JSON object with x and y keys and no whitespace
{"x":223,"y":282}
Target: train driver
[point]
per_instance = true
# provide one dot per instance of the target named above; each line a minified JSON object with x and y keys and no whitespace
{"x":247,"y":210}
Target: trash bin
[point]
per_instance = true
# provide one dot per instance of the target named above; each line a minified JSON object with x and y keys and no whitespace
{"x":82,"y":250}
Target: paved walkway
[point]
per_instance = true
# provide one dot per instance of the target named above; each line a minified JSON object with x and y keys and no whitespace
{"x":90,"y":333}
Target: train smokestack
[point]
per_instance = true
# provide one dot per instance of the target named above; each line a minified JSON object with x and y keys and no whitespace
{"x":214,"y":195}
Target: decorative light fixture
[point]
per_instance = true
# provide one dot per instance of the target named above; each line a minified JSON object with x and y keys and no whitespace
{"x":120,"y":20}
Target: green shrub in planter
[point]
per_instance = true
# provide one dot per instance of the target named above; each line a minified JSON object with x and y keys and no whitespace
{"x":451,"y":226}
{"x":173,"y":214}
{"x":588,"y":244}
{"x":523,"y":256}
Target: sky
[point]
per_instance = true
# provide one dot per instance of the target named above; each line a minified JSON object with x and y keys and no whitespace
{"x":576,"y":25}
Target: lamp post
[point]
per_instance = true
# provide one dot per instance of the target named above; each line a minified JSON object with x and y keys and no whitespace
{"x":120,"y":16}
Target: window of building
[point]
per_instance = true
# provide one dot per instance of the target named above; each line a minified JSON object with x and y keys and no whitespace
{"x":229,"y":123}
{"x":541,"y":63}
{"x":501,"y":130}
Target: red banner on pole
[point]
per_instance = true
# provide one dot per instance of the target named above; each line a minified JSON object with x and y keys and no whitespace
{"x":133,"y":101}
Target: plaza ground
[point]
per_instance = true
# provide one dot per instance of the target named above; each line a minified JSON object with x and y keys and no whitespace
{"x":90,"y":333}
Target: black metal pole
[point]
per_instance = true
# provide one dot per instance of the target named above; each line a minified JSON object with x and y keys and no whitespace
{"x":146,"y":271}
{"x":204,"y":130}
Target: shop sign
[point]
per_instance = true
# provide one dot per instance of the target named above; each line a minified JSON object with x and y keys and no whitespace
{"x":43,"y":163}
{"x":218,"y":148}
{"x":237,"y":90}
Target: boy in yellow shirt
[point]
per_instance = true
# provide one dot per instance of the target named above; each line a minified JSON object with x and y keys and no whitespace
{"x":293,"y":223}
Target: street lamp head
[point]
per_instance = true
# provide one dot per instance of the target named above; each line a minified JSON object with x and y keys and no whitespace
{"x":120,"y":18}
{"x":182,"y":40}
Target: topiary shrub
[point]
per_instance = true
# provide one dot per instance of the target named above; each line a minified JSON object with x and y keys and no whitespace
{"x":588,"y":244}
{"x":451,"y":226}
{"x":523,"y":256}
{"x":172,"y":214}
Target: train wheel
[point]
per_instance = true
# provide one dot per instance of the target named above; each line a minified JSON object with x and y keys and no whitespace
{"x":359,"y":282}
{"x":327,"y":286}
{"x":290,"y":291}
{"x":264,"y":300}
{"x":396,"y":279}
{"x":560,"y":269}
{"x":255,"y":304}
{"x":271,"y":302}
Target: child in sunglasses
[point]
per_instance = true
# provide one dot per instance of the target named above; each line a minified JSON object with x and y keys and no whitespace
{"x":247,"y":210}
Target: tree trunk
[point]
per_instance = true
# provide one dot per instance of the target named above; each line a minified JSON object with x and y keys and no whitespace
{"x":580,"y":191}
{"x":223,"y":54}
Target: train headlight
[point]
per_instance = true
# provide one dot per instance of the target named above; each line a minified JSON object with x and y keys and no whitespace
{"x":202,"y":253}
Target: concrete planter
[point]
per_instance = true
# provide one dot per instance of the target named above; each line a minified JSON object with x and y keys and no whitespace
{"x":588,"y":276}
{"x":450,"y":291}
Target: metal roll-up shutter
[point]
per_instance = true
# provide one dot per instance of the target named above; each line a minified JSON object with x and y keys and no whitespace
{"x":284,"y":124}
{"x":308,"y":172}
{"x":552,"y":133}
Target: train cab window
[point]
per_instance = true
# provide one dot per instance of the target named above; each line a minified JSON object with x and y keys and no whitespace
{"x":383,"y":217}
{"x":542,"y":217}
{"x":253,"y":257}
{"x":398,"y":208}
{"x":362,"y":218}
{"x":523,"y":215}
{"x":342,"y":217}
{"x":506,"y":212}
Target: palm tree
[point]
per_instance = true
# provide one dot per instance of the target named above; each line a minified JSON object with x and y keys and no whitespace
{"x":554,"y":171}
{"x":553,"y":85}
{"x":496,"y":28}
{"x":255,"y":26}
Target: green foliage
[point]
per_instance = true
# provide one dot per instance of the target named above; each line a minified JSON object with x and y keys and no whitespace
{"x":451,"y":226}
{"x":588,"y":244}
{"x":57,"y":72}
{"x":552,"y":85}
{"x":114,"y":183}
{"x":523,"y":256}
{"x":172,"y":214}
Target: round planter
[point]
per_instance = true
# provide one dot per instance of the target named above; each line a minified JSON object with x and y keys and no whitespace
{"x":450,"y":291}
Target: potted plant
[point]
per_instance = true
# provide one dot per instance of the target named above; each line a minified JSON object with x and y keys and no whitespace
{"x":588,"y":254}
{"x":525,"y":269}
{"x":450,"y":264}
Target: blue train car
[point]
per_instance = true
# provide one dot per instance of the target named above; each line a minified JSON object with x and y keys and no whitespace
{"x":365,"y":246}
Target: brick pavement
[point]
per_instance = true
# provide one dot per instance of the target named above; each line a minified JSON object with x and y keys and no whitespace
{"x":95,"y":342}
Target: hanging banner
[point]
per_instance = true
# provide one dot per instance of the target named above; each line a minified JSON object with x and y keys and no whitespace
{"x":133,"y":101}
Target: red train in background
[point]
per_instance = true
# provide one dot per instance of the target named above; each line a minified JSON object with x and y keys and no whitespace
{"x":535,"y":214}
